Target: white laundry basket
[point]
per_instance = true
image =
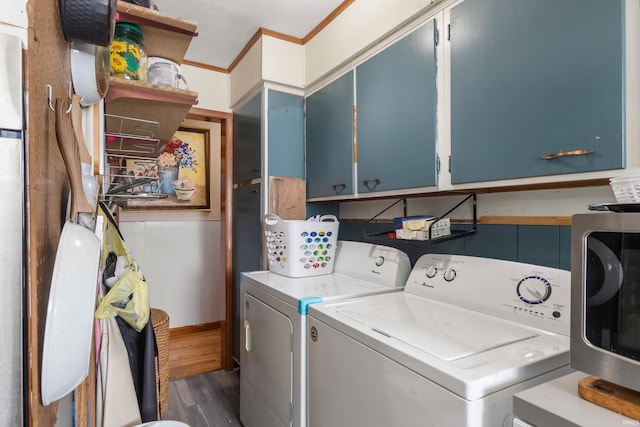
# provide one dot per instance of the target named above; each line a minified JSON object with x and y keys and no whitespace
{"x":301,"y":248}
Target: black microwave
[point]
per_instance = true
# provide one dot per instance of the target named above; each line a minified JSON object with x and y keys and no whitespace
{"x":605,"y":296}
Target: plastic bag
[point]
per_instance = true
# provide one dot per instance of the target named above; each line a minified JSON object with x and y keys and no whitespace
{"x":128,"y":295}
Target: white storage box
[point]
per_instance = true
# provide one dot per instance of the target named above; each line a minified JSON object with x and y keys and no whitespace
{"x":301,"y":248}
{"x":418,"y":229}
{"x":423,"y":224}
{"x":422,"y":234}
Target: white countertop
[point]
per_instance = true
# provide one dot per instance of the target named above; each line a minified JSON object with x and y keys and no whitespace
{"x":557,"y":404}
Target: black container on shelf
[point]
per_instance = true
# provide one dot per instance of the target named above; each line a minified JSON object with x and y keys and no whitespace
{"x":143,"y":3}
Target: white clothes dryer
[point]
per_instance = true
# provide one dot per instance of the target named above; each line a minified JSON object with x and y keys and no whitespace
{"x":451,"y":349}
{"x":274,"y":314}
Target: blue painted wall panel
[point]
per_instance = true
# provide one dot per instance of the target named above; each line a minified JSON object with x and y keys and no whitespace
{"x":565,"y":248}
{"x":542,"y":245}
{"x":494,"y":241}
{"x":325,"y":208}
{"x":539,"y":245}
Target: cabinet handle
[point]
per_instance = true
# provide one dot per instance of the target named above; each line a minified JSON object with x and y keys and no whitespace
{"x":374,"y":181}
{"x":339,"y":188}
{"x":567,"y":153}
{"x":252,"y":170}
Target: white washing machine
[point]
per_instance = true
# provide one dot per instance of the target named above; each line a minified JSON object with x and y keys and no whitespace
{"x":274,"y":314}
{"x":450,"y":350}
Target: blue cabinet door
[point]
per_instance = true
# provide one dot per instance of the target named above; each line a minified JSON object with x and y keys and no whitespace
{"x":247,"y":141}
{"x":285,"y":129}
{"x":329,"y":139}
{"x":396,"y":114}
{"x":535,"y":78}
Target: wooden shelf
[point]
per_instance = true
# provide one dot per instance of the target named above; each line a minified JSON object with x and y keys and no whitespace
{"x":166,"y":108}
{"x":164,"y":36}
{"x":143,"y":101}
{"x":123,"y":88}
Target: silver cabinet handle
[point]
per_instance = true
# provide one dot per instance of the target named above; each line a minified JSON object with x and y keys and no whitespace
{"x":339,"y":188}
{"x":567,"y":153}
{"x":374,"y":181}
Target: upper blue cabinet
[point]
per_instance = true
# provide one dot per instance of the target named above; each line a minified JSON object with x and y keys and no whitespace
{"x":247,"y":145}
{"x":285,"y":118}
{"x":329,"y":139}
{"x":535,"y":87}
{"x":396,"y":114}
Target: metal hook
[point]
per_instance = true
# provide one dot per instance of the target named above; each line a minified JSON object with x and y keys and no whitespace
{"x":49,"y":96}
{"x":70,"y":93}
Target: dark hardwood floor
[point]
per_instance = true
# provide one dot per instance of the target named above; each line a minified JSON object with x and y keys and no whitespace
{"x":200,"y":393}
{"x":211,"y":399}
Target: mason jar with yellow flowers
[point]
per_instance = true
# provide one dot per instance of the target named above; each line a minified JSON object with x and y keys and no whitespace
{"x":128,"y":58}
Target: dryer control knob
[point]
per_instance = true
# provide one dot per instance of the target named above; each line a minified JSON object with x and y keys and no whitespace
{"x":450,"y":274}
{"x":379,"y":261}
{"x":431,"y":271}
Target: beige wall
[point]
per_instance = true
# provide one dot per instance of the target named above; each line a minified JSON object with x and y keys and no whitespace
{"x":247,"y":75}
{"x":212,"y":87}
{"x":183,"y":263}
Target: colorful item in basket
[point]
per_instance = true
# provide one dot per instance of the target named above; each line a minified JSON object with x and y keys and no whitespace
{"x":299,"y":248}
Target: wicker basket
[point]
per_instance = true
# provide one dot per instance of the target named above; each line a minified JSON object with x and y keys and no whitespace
{"x":160,"y":323}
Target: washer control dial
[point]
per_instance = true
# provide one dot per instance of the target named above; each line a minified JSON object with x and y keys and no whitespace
{"x":431,"y":271}
{"x":379,"y":261}
{"x":534,"y":290}
{"x":450,"y":274}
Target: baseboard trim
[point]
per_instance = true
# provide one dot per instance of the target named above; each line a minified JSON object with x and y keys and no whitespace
{"x":190,"y":329}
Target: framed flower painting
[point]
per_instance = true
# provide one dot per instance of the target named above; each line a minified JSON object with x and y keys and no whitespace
{"x":181,"y":172}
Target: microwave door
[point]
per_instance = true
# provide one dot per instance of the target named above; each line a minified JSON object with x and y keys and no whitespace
{"x":612,"y":305}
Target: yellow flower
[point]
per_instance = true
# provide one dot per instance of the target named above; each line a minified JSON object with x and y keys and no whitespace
{"x":134,"y":51}
{"x":118,"y":64}
{"x":118,"y":47}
